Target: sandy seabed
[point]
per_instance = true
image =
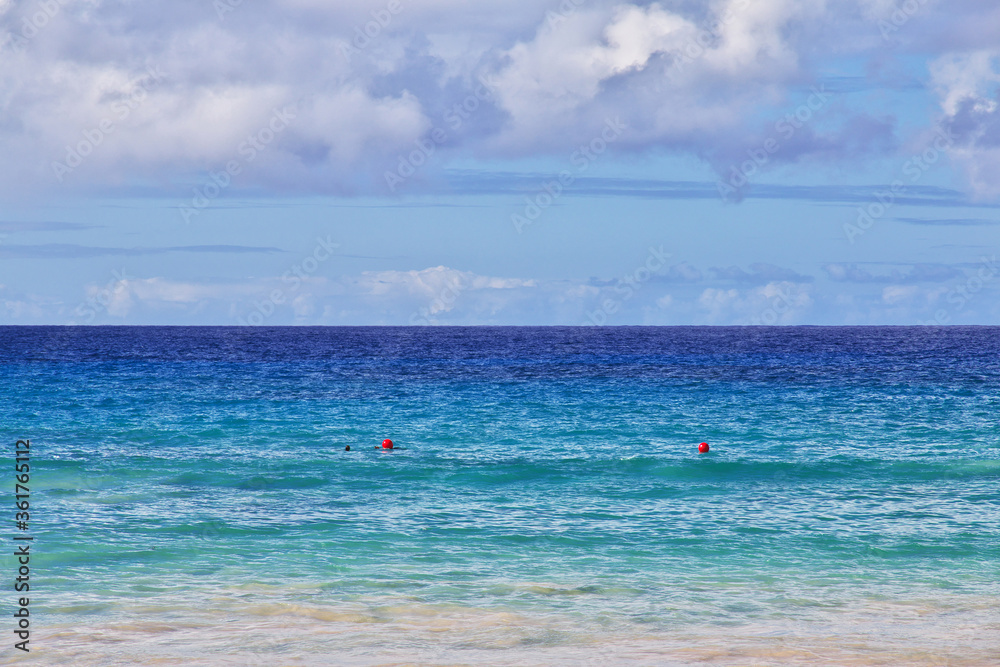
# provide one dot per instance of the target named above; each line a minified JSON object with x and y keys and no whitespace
{"x":964,"y":633}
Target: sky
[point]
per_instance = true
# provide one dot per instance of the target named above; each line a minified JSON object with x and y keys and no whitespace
{"x":500,"y":162}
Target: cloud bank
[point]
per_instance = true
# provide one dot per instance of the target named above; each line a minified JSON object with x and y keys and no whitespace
{"x":667,"y":293}
{"x":103,"y":96}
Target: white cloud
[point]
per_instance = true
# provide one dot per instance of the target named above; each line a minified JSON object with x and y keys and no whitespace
{"x":18,"y":307}
{"x":777,"y":303}
{"x":564,"y":66}
{"x":372,"y":297}
{"x":720,"y":304}
{"x":443,"y":295}
{"x":699,"y":78}
{"x":958,"y":77}
{"x":667,"y":75}
{"x":967,"y":85}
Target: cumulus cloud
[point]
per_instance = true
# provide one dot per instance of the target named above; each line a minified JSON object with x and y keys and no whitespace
{"x":559,"y":75}
{"x":17,"y":305}
{"x":442,"y":295}
{"x":427,"y":296}
{"x":430,"y":296}
{"x":178,"y":89}
{"x":968,"y":86}
{"x":776,"y":303}
{"x":435,"y":291}
{"x":160,"y":93}
{"x":899,"y":294}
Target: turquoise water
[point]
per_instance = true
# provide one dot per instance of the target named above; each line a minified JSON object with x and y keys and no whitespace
{"x":193,"y":502}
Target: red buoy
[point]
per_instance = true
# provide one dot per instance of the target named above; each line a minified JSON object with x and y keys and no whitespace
{"x":703,"y":447}
{"x":387,"y":444}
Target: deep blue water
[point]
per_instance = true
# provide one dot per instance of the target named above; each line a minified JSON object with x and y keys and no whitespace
{"x":550,"y":475}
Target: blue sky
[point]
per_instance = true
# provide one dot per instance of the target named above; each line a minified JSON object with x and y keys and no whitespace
{"x":574,"y":162}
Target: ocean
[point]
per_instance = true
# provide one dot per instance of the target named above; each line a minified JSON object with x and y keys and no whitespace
{"x":192,"y":500}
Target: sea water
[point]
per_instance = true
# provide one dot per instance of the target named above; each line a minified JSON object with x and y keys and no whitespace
{"x":193,"y":502}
